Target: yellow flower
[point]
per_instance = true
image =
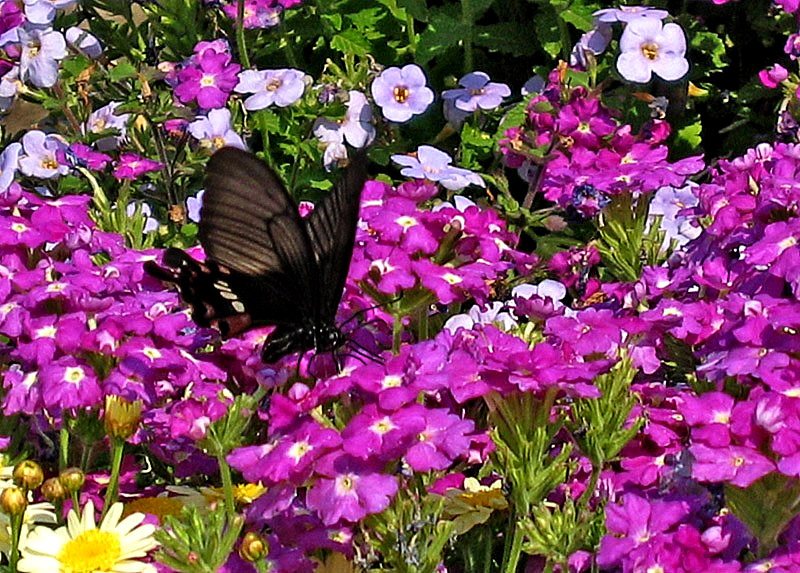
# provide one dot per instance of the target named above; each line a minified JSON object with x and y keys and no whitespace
{"x":83,"y":547}
{"x":473,"y":504}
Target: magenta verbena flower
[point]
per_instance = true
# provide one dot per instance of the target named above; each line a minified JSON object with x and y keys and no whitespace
{"x":401,"y":93}
{"x":208,"y":80}
{"x":131,"y":166}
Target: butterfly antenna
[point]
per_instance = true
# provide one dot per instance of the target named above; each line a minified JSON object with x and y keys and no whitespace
{"x":363,"y":311}
{"x":364,"y":351}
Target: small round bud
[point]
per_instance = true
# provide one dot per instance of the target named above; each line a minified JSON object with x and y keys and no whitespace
{"x":72,"y":479}
{"x":13,"y":501}
{"x":53,"y":490}
{"x":254,"y":547}
{"x":28,"y":474}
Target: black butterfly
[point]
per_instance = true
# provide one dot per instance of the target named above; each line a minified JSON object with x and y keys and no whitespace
{"x":265,"y":265}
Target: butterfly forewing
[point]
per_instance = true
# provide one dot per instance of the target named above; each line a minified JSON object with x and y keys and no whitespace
{"x":250,"y":224}
{"x":332,"y":228}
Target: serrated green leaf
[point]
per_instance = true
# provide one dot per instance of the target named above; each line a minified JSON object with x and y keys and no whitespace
{"x":690,"y":136}
{"x":75,"y":65}
{"x":351,"y":42}
{"x":364,"y":19}
{"x":122,"y":71}
{"x":712,"y":45}
{"x":335,"y":20}
{"x":443,"y":32}
{"x":579,"y":16}
{"x":417,"y":8}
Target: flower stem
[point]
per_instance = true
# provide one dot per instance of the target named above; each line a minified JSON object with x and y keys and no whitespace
{"x":511,"y":560}
{"x":63,"y":449}
{"x":240,"y":42}
{"x":16,"y":530}
{"x":117,"y":447}
{"x":397,"y":334}
{"x":227,"y":485}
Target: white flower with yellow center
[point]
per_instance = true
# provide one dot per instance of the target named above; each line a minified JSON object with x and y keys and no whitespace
{"x":83,"y":547}
{"x":34,"y":513}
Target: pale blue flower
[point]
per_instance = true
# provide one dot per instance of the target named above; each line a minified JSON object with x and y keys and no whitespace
{"x":357,"y":127}
{"x":150,"y":224}
{"x":41,"y":155}
{"x":476,"y":92}
{"x":106,"y":118}
{"x":42,"y":50}
{"x":9,"y":162}
{"x":193,"y":206}
{"x":593,"y":42}
{"x":330,"y":135}
{"x":10,"y":86}
{"x":647,"y":47}
{"x":435,"y":165}
{"x":84,"y":42}
{"x":671,"y":204}
{"x":401,"y":92}
{"x":44,"y":11}
{"x":628,"y":14}
{"x":280,"y":87}
{"x":215,"y":130}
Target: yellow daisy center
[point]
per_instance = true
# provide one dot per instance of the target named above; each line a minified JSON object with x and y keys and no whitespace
{"x":91,"y":551}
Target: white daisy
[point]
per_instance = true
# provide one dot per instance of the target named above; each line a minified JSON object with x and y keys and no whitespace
{"x":83,"y":547}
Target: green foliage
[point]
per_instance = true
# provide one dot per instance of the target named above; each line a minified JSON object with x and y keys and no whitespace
{"x":198,"y":541}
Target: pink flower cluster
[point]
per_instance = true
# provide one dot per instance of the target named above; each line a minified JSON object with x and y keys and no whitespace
{"x":591,"y":155}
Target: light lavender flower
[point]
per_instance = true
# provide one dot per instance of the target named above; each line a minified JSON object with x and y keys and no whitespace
{"x":495,"y":313}
{"x":41,"y":155}
{"x":105,"y":118}
{"x":628,"y":14}
{"x":357,"y":127}
{"x":84,"y":42}
{"x":44,"y":11}
{"x":10,"y":86}
{"x":215,"y":130}
{"x":669,"y":203}
{"x":435,"y":165}
{"x":9,"y":162}
{"x":648,"y":47}
{"x":193,"y":206}
{"x":42,"y":50}
{"x":534,"y":85}
{"x":330,"y":135}
{"x":401,"y":92}
{"x":593,"y":42}
{"x":280,"y":87}
{"x":150,"y":224}
{"x":477,"y":91}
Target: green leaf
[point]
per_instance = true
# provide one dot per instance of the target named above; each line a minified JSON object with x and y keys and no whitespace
{"x":506,"y":37}
{"x":688,"y":138}
{"x":547,"y":32}
{"x":75,"y":65}
{"x":417,"y":8}
{"x":711,"y":45}
{"x":122,"y":71}
{"x":445,"y":30}
{"x":579,"y":16}
{"x":351,"y":42}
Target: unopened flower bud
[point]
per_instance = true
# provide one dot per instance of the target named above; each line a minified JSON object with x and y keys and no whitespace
{"x":28,"y":474}
{"x":53,"y":490}
{"x":72,"y":479}
{"x":122,"y":417}
{"x":13,"y":501}
{"x":253,"y":548}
